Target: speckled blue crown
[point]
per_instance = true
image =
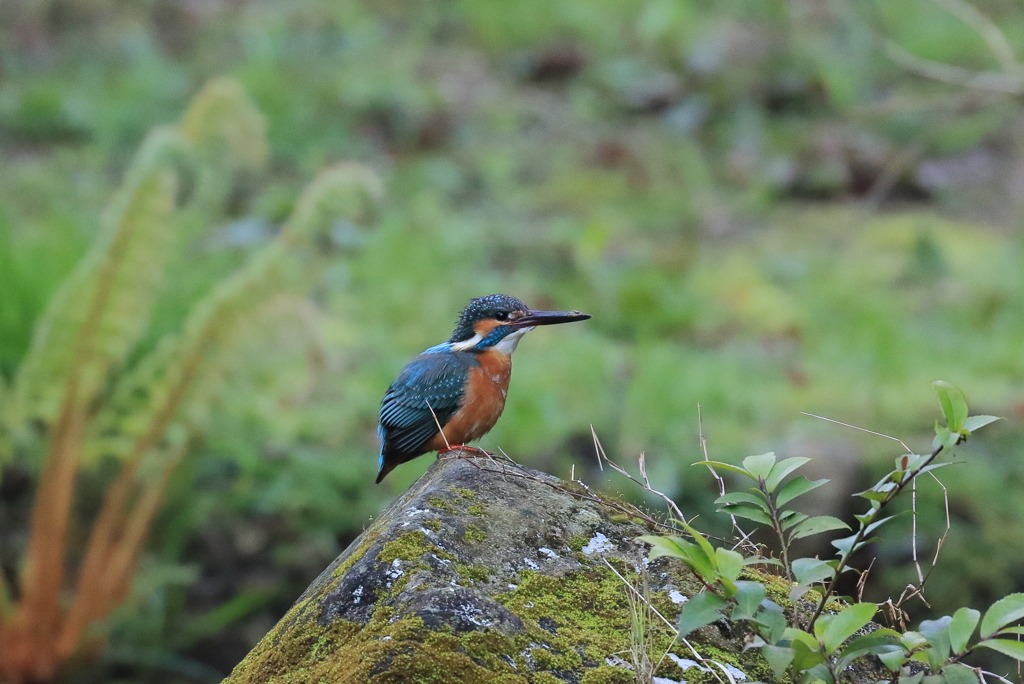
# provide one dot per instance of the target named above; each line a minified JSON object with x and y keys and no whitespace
{"x":483,"y":308}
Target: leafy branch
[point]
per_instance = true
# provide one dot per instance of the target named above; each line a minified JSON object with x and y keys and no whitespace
{"x":821,"y":647}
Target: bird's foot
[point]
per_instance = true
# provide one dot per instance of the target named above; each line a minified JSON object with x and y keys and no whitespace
{"x":457,"y":451}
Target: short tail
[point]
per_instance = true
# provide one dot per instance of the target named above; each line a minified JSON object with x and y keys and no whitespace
{"x":385,"y":468}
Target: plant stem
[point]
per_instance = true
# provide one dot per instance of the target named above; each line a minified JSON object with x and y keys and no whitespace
{"x":862,"y":532}
{"x":777,"y":525}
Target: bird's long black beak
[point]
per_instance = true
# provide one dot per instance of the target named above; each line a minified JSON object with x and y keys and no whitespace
{"x":531,"y":318}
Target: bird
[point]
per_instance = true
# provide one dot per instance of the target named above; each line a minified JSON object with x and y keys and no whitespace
{"x":454,"y":392}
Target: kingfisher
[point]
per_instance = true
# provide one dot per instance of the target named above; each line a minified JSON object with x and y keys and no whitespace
{"x":454,"y":392}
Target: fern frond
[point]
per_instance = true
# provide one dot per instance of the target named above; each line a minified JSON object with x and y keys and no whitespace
{"x":176,"y":374}
{"x":223,"y":124}
{"x":103,"y":307}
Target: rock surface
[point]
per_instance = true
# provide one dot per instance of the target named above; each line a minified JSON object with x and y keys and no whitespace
{"x":482,"y":573}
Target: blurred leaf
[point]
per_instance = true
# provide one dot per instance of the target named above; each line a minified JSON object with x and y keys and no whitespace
{"x":797,"y":486}
{"x":730,"y":563}
{"x":700,"y":610}
{"x":954,"y":406}
{"x":937,"y":634}
{"x":759,"y":466}
{"x":779,"y":658}
{"x":965,"y":621}
{"x":817,"y":525}
{"x":1010,"y":647}
{"x":749,"y":595}
{"x":977,"y":422}
{"x":810,"y":570}
{"x":781,"y":469}
{"x":845,"y":623}
{"x":959,"y":674}
{"x":743,"y":497}
{"x":1006,"y":610}
{"x":747,"y":511}
{"x":726,"y":466}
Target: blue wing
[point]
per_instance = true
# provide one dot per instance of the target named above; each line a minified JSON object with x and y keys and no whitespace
{"x":431,"y":385}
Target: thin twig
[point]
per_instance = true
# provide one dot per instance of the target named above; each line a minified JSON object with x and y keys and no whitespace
{"x":839,"y":422}
{"x":439,"y":428}
{"x":743,"y":536}
{"x":645,"y":483}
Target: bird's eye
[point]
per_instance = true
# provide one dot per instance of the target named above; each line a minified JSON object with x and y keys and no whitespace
{"x":502,"y":315}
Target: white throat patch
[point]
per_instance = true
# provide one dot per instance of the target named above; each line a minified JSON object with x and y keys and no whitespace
{"x":509,"y":342}
{"x":506,"y":346}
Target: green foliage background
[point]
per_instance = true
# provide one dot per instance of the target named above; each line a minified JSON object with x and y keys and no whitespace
{"x":764,"y":213}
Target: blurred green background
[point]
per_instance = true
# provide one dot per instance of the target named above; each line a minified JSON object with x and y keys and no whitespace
{"x":768,"y":207}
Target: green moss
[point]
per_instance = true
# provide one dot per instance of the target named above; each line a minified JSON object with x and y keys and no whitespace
{"x":545,"y":678}
{"x":433,"y":525}
{"x":590,"y":609}
{"x":441,"y":504}
{"x":474,"y":573}
{"x":776,"y":588}
{"x":577,"y":542}
{"x":411,"y":546}
{"x":606,"y":674}
{"x":473,"y":534}
{"x":585,"y":617}
{"x":464,"y":493}
{"x":356,"y":554}
{"x":477,"y":509}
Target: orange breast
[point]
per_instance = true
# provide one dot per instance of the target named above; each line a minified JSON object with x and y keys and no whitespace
{"x":482,"y":404}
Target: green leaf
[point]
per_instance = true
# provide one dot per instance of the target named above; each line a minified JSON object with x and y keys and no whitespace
{"x":703,"y":543}
{"x":729,"y":562}
{"x":810,"y":570}
{"x":845,"y":545}
{"x":677,"y":547}
{"x":772,"y":618}
{"x":959,"y":674}
{"x":816,"y":525}
{"x":760,"y":466}
{"x":913,"y":679}
{"x":1004,"y":611}
{"x":700,"y":610}
{"x":744,"y":498}
{"x":944,"y":437}
{"x":747,"y":511}
{"x":781,"y":469}
{"x":818,"y":673}
{"x":848,"y":621}
{"x":748,"y":597}
{"x":937,"y":634}
{"x":912,"y":640}
{"x":797,"y":486}
{"x":962,"y":627}
{"x":792,"y":518}
{"x":726,"y":466}
{"x":796,"y":593}
{"x":1010,"y":647}
{"x":779,"y":657}
{"x":874,"y":643}
{"x":673,"y":547}
{"x":954,"y":406}
{"x":977,"y":422}
{"x":799,"y":635}
{"x":893,"y":659}
{"x":805,"y":655}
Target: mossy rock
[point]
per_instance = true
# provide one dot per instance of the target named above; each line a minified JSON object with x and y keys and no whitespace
{"x":481,"y":574}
